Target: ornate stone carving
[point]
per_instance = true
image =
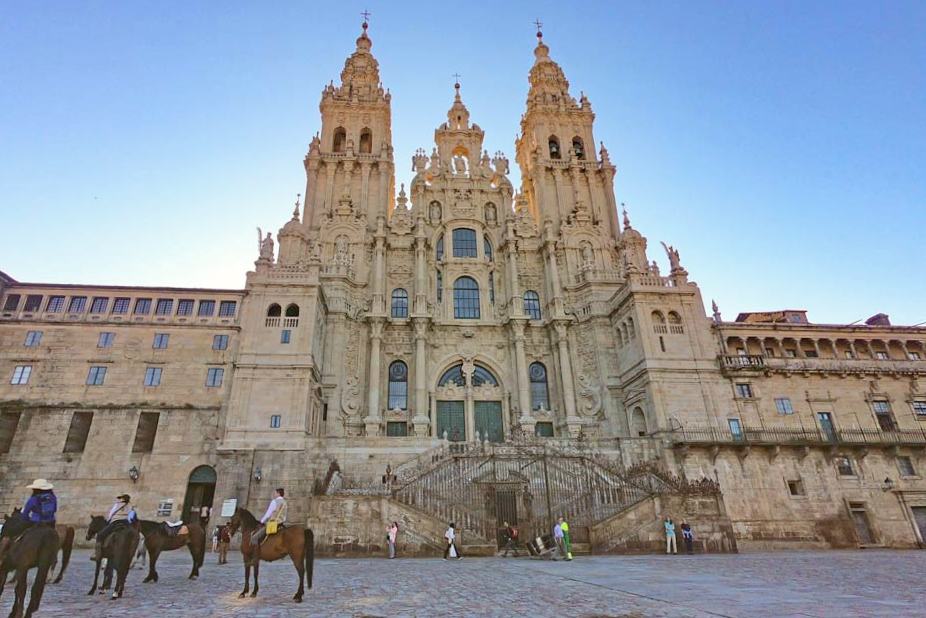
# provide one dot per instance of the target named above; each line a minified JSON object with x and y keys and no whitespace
{"x":590,"y":395}
{"x":350,"y":396}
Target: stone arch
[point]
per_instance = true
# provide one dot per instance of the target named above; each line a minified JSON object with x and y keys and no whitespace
{"x":292,"y":310}
{"x":675,"y":323}
{"x":578,"y":146}
{"x":553,"y":145}
{"x":339,"y":140}
{"x":366,"y":141}
{"x":274,"y":311}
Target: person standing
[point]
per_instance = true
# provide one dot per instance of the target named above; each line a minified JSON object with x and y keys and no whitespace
{"x":391,"y":533}
{"x":688,"y":537}
{"x":42,"y":506}
{"x":224,"y":540}
{"x":558,"y":538}
{"x":215,"y":539}
{"x":451,"y":550}
{"x":671,"y":543}
{"x":567,"y":540}
{"x":511,"y":539}
{"x":204,"y":513}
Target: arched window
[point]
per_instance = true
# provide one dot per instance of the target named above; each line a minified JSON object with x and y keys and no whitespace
{"x":466,"y":299}
{"x":453,"y":375}
{"x":532,"y":305}
{"x":440,"y":286}
{"x":482,"y":376}
{"x":274,"y":311}
{"x":399,"y":303}
{"x":339,"y":140}
{"x":487,"y":247}
{"x":464,"y":242}
{"x":659,"y":322}
{"x":638,"y":422}
{"x":366,"y":141}
{"x":398,"y":386}
{"x":675,"y":323}
{"x":578,"y":147}
{"x":292,"y":311}
{"x":554,"y":148}
{"x":439,"y":248}
{"x":540,"y":394}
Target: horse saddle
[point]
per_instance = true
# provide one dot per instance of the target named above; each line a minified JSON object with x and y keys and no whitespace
{"x":175,"y":529}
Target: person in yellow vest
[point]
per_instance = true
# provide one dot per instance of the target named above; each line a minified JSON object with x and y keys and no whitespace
{"x":567,"y":541}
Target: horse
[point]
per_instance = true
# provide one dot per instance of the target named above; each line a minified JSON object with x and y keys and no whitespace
{"x":25,"y":546}
{"x":296,"y":542}
{"x":66,"y":536}
{"x":118,"y":550}
{"x":157,"y":540}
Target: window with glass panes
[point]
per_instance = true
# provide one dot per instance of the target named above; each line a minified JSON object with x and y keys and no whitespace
{"x":396,"y":429}
{"x":487,"y":247}
{"x":532,"y":305}
{"x":399,"y":303}
{"x":919,"y":408}
{"x":844,"y":466}
{"x":220,"y":342}
{"x":33,"y":338}
{"x":398,"y":386}
{"x":99,"y":304}
{"x":142,"y":306}
{"x":33,"y":302}
{"x":206,"y":308}
{"x":105,"y":340}
{"x":121,"y":305}
{"x":464,"y":242}
{"x":12,"y":302}
{"x":55,"y":304}
{"x":275,"y":421}
{"x":439,"y":248}
{"x":465,"y":298}
{"x":185,"y":306}
{"x":164,"y":306}
{"x":540,"y":393}
{"x":286,"y":335}
{"x":905,"y":464}
{"x":152,"y":376}
{"x":161,"y":341}
{"x":227,"y":308}
{"x":21,"y":374}
{"x":77,"y":304}
{"x":744,"y":391}
{"x":783,"y":405}
{"x":96,"y":376}
{"x":214,"y":376}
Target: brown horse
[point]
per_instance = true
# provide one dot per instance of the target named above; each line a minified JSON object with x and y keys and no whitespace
{"x":65,"y":542}
{"x":296,"y":542}
{"x":157,"y":540}
{"x":118,"y":550}
{"x":24,"y":546}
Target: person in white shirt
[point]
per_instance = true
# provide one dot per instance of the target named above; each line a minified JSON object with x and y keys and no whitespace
{"x":451,"y":549}
{"x":276,"y":512}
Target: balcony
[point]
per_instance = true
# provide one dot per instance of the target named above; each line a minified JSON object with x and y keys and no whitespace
{"x":729,"y":362}
{"x":795,"y":436}
{"x":756,"y":362}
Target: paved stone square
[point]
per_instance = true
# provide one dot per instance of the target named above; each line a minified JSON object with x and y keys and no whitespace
{"x":834,"y":583}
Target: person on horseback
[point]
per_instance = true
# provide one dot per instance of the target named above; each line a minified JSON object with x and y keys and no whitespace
{"x":120,"y":514}
{"x":276,"y":513}
{"x":42,"y":505}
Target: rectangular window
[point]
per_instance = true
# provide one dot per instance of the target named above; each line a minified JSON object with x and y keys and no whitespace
{"x":736,"y":428}
{"x":77,"y":304}
{"x":206,"y":308}
{"x":33,"y":302}
{"x":160,"y":341}
{"x":106,"y":340}
{"x":9,"y":421}
{"x":919,"y":408}
{"x":146,"y":431}
{"x":796,"y":488}
{"x":882,"y":356}
{"x":33,"y":338}
{"x":214,"y":376}
{"x":396,"y":429}
{"x":96,"y":376}
{"x":21,"y":374}
{"x":99,"y":304}
{"x":285,"y":335}
{"x":165,"y":508}
{"x":153,"y":376}
{"x":55,"y":304}
{"x":220,"y":342}
{"x":905,"y":464}
{"x":464,"y":242}
{"x":121,"y":305}
{"x":227,"y":308}
{"x":142,"y":306}
{"x":275,"y":420}
{"x":12,"y":302}
{"x":164,"y":306}
{"x":882,"y":410}
{"x":185,"y":307}
{"x":78,"y":432}
{"x":844,"y":466}
{"x":544,"y":430}
{"x":744,"y":391}
{"x":783,"y":405}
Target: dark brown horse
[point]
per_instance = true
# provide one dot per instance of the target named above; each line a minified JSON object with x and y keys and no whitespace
{"x":24,"y":546}
{"x":157,"y":540}
{"x":118,"y":550}
{"x":296,"y":542}
{"x":65,"y":542}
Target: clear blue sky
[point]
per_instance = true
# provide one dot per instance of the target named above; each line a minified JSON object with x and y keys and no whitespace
{"x":780,"y":145}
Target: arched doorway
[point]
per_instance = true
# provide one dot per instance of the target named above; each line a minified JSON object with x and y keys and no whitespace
{"x":200,"y":491}
{"x":469,"y":403}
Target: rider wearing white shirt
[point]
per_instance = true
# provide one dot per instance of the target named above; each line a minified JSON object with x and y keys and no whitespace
{"x":276,"y":512}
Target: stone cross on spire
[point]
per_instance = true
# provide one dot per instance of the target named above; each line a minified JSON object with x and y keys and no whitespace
{"x":366,"y":18}
{"x":539,"y":25}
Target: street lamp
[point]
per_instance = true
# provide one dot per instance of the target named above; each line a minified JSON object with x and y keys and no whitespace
{"x":887,"y":485}
{"x":134,"y":473}
{"x":258,"y":475}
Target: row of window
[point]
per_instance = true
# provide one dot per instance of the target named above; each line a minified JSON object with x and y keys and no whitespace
{"x":120,"y":305}
{"x":880,"y":407}
{"x":339,"y":140}
{"x":465,"y":299}
{"x":106,"y":340}
{"x":79,"y":430}
{"x":96,"y":376}
{"x":578,"y":146}
{"x":464,"y":244}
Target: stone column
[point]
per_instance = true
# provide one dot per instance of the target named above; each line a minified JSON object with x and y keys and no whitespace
{"x":569,"y":394}
{"x":610,"y":203}
{"x":468,"y":408}
{"x":524,"y":400}
{"x":420,"y":419}
{"x":379,"y":268}
{"x":421,"y":271}
{"x":516,"y":305}
{"x":555,"y":287}
{"x":374,"y":420}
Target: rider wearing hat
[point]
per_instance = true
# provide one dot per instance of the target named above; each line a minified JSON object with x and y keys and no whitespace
{"x":121,"y":514}
{"x":42,"y":505}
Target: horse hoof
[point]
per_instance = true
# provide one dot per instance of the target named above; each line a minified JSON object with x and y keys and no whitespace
{"x":253,"y":594}
{"x":90,"y":594}
{"x":242,"y":595}
{"x":297,"y":599}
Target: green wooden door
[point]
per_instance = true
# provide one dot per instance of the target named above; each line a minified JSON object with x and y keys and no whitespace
{"x":488,"y":417}
{"x":451,"y":417}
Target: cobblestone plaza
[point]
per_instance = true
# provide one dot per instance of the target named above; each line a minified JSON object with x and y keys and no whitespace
{"x":753,"y":585}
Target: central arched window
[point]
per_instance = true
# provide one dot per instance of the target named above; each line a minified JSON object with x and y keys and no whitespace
{"x":274,"y":311}
{"x":540,"y":393}
{"x":454,"y":375}
{"x":398,"y":386}
{"x":464,"y":242}
{"x":439,"y":248}
{"x":339,"y":140}
{"x":487,"y":248}
{"x":532,"y":305}
{"x":399,"y":303}
{"x":465,"y":299}
{"x":366,"y":141}
{"x":482,"y":376}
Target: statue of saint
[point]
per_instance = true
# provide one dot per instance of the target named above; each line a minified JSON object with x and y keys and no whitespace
{"x":265,"y":246}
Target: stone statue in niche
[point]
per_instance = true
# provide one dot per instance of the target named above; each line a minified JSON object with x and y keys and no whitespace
{"x":265,"y":245}
{"x":459,"y":165}
{"x":341,"y":251}
{"x":434,"y":212}
{"x":490,"y":213}
{"x":588,"y":256}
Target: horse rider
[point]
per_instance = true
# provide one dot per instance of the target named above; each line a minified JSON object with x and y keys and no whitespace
{"x":276,"y":512}
{"x":120,"y":514}
{"x":42,"y":505}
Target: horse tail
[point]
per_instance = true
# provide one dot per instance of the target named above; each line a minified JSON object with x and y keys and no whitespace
{"x":309,"y":555}
{"x":67,"y":544}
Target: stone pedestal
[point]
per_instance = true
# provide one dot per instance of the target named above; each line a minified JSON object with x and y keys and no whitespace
{"x":421,"y":426}
{"x":373,"y":425}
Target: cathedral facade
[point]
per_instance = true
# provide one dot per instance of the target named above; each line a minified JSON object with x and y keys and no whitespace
{"x":381,"y":327}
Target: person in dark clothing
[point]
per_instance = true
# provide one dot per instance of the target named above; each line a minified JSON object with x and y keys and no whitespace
{"x":42,"y":506}
{"x":511,"y":539}
{"x":688,"y":537}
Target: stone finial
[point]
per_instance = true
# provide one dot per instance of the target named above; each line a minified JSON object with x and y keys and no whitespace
{"x":402,"y":200}
{"x":296,"y":209}
{"x":716,"y":310}
{"x":603,"y":154}
{"x":626,"y":216}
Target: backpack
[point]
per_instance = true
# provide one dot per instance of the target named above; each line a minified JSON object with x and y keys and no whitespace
{"x":514,"y":533}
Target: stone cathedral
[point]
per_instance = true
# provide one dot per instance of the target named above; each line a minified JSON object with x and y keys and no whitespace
{"x":463,"y":349}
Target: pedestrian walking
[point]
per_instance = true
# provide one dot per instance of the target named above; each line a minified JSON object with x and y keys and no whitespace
{"x":567,"y":540}
{"x":215,"y":539}
{"x":688,"y":537}
{"x":224,"y":541}
{"x":451,"y":550}
{"x":511,"y":539}
{"x":671,"y":543}
{"x":391,"y":533}
{"x":558,"y":539}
